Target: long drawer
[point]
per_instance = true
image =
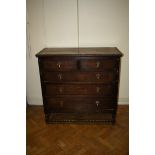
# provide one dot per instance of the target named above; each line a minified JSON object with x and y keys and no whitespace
{"x":80,"y":105}
{"x":70,"y":64}
{"x":104,"y":77}
{"x":80,"y":89}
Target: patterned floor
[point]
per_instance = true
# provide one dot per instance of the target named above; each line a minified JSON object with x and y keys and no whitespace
{"x":72,"y":139}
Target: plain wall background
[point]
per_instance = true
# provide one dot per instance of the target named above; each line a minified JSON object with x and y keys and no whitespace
{"x":53,"y":23}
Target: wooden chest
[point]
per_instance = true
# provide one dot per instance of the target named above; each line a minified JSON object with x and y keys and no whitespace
{"x":79,"y":84}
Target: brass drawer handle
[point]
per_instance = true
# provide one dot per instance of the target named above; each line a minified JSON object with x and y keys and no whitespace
{"x":60,"y":76}
{"x":59,"y":65}
{"x":98,"y":76}
{"x":97,"y":89}
{"x":61,"y":103}
{"x":97,"y":64}
{"x":97,"y":103}
{"x":60,"y":90}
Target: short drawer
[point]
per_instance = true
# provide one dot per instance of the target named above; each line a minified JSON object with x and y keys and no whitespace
{"x":58,"y":65}
{"x":104,"y":77}
{"x":79,"y":89}
{"x":98,"y":64}
{"x":79,"y":105}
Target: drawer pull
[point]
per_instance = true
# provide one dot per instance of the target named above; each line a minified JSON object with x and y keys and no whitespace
{"x":97,"y":64}
{"x":61,"y":103}
{"x":98,"y":76}
{"x":97,"y":89}
{"x":59,"y":65}
{"x":60,"y":90}
{"x":97,"y":103}
{"x":60,"y":76}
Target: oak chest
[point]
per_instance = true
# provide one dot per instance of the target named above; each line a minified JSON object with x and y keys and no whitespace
{"x":79,"y":84}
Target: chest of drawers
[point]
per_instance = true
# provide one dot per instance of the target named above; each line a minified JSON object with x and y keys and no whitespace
{"x":79,"y":84}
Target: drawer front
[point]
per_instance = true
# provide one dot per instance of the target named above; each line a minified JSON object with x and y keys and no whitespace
{"x":105,"y":77}
{"x":58,"y":65}
{"x":98,"y":64}
{"x":79,"y":105}
{"x":79,"y":89}
{"x":76,"y":63}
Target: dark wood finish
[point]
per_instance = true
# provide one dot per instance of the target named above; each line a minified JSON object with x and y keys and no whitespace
{"x":80,"y":117}
{"x":59,"y":65}
{"x":93,"y":77}
{"x":80,"y":89}
{"x":68,"y":73}
{"x":98,"y":64}
{"x":91,"y":51}
{"x":79,"y":105}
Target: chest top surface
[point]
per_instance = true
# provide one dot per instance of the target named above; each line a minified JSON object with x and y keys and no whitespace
{"x":86,"y":51}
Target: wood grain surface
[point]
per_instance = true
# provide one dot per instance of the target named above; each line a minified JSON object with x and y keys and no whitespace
{"x":72,"y":139}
